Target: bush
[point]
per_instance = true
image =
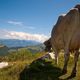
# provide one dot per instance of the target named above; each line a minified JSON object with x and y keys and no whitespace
{"x":20,"y":54}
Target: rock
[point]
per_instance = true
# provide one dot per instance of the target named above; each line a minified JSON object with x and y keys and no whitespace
{"x":3,"y":64}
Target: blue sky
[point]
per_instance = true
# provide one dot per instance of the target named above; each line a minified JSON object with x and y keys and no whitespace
{"x":32,"y":16}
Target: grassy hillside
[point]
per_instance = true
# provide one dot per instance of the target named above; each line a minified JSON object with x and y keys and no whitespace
{"x":3,"y":50}
{"x":23,"y":65}
{"x":36,"y":48}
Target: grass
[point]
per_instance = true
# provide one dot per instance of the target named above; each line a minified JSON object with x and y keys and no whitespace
{"x":33,"y":68}
{"x":40,"y":70}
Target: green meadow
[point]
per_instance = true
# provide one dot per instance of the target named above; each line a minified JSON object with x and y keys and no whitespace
{"x":23,"y":65}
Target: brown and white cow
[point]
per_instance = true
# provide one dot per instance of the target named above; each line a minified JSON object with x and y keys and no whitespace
{"x":66,"y":35}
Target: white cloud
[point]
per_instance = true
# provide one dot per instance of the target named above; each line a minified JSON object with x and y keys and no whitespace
{"x":30,"y":27}
{"x":22,"y":36}
{"x":15,"y":23}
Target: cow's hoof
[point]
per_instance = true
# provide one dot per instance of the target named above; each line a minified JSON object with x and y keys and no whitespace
{"x":73,"y":75}
{"x":64,"y":72}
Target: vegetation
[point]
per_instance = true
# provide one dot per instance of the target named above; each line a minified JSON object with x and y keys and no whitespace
{"x":3,"y":50}
{"x":23,"y":65}
{"x":20,"y":55}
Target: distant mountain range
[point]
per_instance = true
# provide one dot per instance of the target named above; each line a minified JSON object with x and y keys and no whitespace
{"x":18,"y":43}
{"x":11,"y":45}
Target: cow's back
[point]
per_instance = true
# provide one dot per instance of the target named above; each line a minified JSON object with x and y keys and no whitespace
{"x":63,"y":32}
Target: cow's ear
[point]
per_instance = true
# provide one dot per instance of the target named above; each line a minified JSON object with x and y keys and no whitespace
{"x":44,"y":43}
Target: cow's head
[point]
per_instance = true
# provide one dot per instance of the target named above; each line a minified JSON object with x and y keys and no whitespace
{"x":47,"y":44}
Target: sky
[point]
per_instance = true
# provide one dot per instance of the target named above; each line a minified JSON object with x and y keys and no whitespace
{"x":31,"y":19}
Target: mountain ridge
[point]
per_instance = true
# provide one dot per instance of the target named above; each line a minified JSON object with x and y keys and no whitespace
{"x":18,"y":43}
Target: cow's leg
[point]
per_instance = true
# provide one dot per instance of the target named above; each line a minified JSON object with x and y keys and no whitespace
{"x":66,"y":59}
{"x":76,"y":55}
{"x":56,"y":53}
{"x":56,"y":57}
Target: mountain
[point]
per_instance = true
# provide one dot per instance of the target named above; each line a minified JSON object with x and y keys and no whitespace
{"x":33,"y":49}
{"x":18,"y":43}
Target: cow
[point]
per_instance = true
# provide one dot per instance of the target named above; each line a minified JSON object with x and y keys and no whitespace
{"x":66,"y":35}
{"x":48,"y":46}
